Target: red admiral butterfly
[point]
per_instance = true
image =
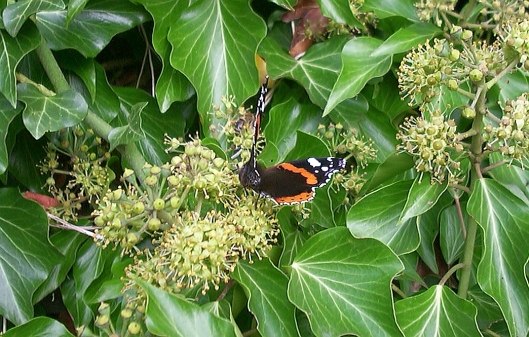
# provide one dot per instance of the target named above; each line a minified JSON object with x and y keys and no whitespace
{"x":286,"y":183}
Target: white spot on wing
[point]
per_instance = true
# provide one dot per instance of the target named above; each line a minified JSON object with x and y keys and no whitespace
{"x":314,"y":162}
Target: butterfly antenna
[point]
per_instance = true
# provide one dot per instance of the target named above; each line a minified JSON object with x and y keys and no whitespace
{"x":257,"y":120}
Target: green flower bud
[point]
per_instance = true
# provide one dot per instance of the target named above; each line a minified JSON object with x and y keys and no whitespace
{"x":158,"y":204}
{"x":475,"y":75}
{"x":468,"y":113}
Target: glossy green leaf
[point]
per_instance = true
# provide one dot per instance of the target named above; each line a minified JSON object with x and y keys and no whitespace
{"x":27,"y":255}
{"x":501,"y":272}
{"x":422,"y":196}
{"x":388,"y":8}
{"x":376,"y":216}
{"x":74,"y":8}
{"x":92,"y":29}
{"x":358,"y":67}
{"x":307,"y":146}
{"x":343,"y":284}
{"x":171,"y":85}
{"x":67,"y":243}
{"x":406,"y":38}
{"x":155,"y":124}
{"x":287,"y":4}
{"x":6,"y":117}
{"x":392,"y":166}
{"x":516,"y":178}
{"x":50,"y":113}
{"x":339,"y":11}
{"x":512,"y":85}
{"x":170,"y":315}
{"x":214,"y":45}
{"x":293,"y":237}
{"x":385,"y":97}
{"x":39,"y":327}
{"x":447,"y":101}
{"x":488,"y":310}
{"x":130,"y":133}
{"x":317,"y":70}
{"x":12,"y":52}
{"x":16,"y":14}
{"x":266,"y":288}
{"x":284,"y":122}
{"x":451,"y":234}
{"x":437,"y":312}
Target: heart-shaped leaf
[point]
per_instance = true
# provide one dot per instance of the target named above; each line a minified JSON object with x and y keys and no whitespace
{"x":214,"y":45}
{"x":343,"y":284}
{"x":50,"y":113}
{"x":406,"y":38}
{"x":422,"y":196}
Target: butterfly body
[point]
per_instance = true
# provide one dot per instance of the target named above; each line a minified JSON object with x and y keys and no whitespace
{"x":289,"y":182}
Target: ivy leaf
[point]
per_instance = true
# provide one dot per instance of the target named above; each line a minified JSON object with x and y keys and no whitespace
{"x":358,"y":67}
{"x":130,"y":133}
{"x":293,"y":237}
{"x":317,"y":70}
{"x":92,"y":29}
{"x":501,"y":272}
{"x":170,"y":315}
{"x":171,"y":85}
{"x":12,"y":51}
{"x":376,"y":216}
{"x":450,"y":233}
{"x":284,"y":122}
{"x":24,"y":246}
{"x":388,"y":8}
{"x":6,"y":117}
{"x":392,"y":166}
{"x":50,"y":113}
{"x":39,"y":327}
{"x":437,"y":312}
{"x":422,"y":196}
{"x":16,"y":14}
{"x":343,"y":284}
{"x":155,"y":124}
{"x":266,"y":288}
{"x":406,"y":38}
{"x":214,"y":45}
{"x":339,"y":11}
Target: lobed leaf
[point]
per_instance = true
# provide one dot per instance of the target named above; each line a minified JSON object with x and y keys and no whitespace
{"x":343,"y":284}
{"x":217,"y":51}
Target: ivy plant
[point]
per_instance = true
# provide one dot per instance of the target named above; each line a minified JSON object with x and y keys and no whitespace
{"x":124,"y":124}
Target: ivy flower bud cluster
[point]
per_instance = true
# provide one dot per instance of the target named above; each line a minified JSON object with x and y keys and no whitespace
{"x":79,"y":180}
{"x":516,"y":39}
{"x":432,"y":143}
{"x":511,"y":135}
{"x":237,"y":128}
{"x":203,"y":251}
{"x":428,"y":9}
{"x":132,"y":321}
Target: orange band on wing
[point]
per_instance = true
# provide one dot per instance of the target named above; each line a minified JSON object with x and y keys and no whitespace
{"x":310,"y":178}
{"x":296,"y":198}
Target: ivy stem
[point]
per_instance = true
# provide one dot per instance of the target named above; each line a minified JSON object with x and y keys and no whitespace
{"x":398,"y":291}
{"x":100,"y":127}
{"x":450,"y":272}
{"x":472,"y":228}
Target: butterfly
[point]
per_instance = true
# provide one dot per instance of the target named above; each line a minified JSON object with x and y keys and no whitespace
{"x":290,"y":182}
